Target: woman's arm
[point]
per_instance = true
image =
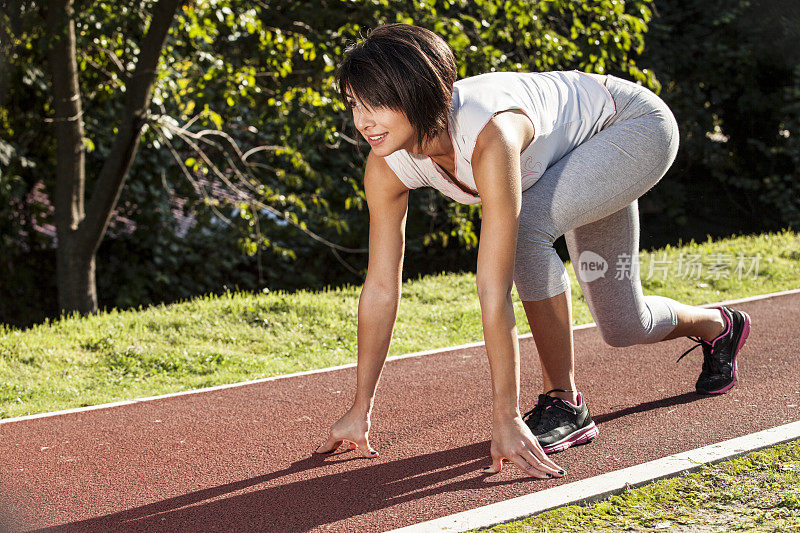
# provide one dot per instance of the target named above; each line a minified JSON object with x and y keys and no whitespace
{"x":496,"y":167}
{"x":387,"y":200}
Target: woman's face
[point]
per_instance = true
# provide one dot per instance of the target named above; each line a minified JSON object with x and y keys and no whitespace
{"x":386,"y":130}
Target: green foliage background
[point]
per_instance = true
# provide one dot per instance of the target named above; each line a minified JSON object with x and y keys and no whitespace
{"x":730,"y":71}
{"x":260,"y":74}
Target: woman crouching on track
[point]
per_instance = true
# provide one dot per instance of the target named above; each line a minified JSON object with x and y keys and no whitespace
{"x":547,"y":154}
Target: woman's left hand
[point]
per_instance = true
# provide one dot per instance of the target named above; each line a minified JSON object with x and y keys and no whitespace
{"x":513,"y":440}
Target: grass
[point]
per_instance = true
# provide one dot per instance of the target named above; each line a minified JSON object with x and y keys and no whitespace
{"x":207,"y":341}
{"x":757,"y":492}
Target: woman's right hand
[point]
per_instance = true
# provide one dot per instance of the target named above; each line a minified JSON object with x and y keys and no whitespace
{"x":352,"y":428}
{"x":513,"y":440}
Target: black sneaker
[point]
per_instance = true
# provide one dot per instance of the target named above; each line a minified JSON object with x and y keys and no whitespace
{"x":558,"y":424}
{"x":720,"y":368}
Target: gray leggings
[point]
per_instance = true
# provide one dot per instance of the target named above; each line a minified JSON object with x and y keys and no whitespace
{"x":591,"y":197}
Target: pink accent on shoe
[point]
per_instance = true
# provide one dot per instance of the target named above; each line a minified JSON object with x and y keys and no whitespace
{"x":727,"y":326}
{"x":582,"y":437}
{"x":745,"y":334}
{"x":580,"y":401}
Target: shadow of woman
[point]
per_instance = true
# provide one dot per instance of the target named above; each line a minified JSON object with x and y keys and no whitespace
{"x":307,"y":498}
{"x":680,"y":399}
{"x":315,"y":499}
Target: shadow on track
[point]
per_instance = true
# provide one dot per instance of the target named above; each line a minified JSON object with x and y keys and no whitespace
{"x":680,"y":399}
{"x":305,"y":504}
{"x":301,"y":505}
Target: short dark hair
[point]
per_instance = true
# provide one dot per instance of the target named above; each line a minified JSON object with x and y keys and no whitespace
{"x":405,"y":68}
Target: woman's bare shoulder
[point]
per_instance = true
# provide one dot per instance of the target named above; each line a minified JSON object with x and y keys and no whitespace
{"x":381,"y":178}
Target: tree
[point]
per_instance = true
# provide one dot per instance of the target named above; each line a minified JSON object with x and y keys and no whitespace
{"x":243,"y":101}
{"x":733,"y":83}
{"x":81,"y":227}
{"x":45,"y":34}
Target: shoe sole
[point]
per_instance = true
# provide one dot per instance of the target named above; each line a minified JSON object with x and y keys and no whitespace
{"x":742,"y":339}
{"x":582,"y":436}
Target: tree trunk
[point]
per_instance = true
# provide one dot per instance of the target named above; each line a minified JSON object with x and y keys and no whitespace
{"x":80,"y":231}
{"x":77,"y":290}
{"x":71,"y":263}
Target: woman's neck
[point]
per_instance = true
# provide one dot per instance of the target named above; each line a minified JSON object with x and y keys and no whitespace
{"x":441,"y":151}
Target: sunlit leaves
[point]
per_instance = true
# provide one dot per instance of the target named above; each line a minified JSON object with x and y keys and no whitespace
{"x":262,"y":74}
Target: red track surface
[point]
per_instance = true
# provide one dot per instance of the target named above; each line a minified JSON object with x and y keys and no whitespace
{"x":240,"y":459}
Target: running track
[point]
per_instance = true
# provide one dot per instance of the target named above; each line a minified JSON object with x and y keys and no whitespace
{"x":239,"y":459}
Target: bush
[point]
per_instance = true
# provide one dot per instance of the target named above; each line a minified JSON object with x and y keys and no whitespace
{"x":264,"y":76}
{"x":731,"y":74}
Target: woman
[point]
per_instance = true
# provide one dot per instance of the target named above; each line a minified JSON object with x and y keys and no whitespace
{"x":547,"y":154}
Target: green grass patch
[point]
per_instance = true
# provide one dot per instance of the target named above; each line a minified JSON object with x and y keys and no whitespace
{"x":207,"y":341}
{"x":756,"y":492}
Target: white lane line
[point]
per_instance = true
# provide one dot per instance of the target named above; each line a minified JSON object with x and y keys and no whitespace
{"x":599,"y":487}
{"x":332,"y":368}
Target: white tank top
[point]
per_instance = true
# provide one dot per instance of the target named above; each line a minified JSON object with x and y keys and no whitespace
{"x":566,"y":109}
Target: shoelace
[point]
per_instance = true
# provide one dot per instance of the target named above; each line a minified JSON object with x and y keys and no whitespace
{"x":534,"y":416}
{"x":707,"y":350}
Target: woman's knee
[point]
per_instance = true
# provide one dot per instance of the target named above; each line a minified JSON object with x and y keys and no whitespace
{"x":624,"y":321}
{"x":623,"y":336}
{"x":536,"y":225}
{"x":535,"y":233}
{"x":534,"y":292}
